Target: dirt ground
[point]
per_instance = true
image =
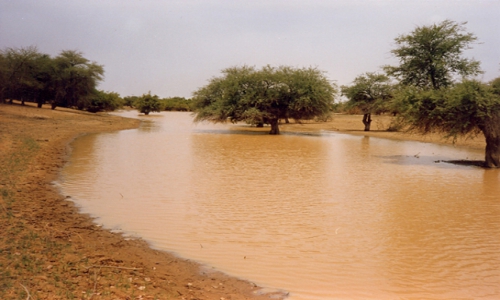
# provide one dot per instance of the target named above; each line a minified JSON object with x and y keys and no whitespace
{"x":352,"y":124}
{"x":50,"y":251}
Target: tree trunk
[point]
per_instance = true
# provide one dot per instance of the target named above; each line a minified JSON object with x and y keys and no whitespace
{"x":274,"y":127}
{"x":367,"y":120}
{"x":39,"y":101}
{"x":491,"y":131}
{"x":53,"y":105}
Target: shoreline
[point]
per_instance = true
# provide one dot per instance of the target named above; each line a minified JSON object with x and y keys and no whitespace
{"x":51,"y":251}
{"x":352,"y":124}
{"x":48,"y":250}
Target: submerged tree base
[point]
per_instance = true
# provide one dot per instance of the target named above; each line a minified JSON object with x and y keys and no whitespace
{"x":491,"y":131}
{"x":367,"y":121}
{"x":274,"y":127}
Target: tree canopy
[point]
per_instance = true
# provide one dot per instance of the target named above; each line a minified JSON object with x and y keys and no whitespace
{"x":76,"y":78}
{"x":148,"y":103}
{"x":68,"y":80}
{"x":20,"y":71}
{"x":467,"y":108}
{"x":431,"y":56}
{"x":264,"y":96}
{"x":369,"y":92}
{"x":430,"y":97}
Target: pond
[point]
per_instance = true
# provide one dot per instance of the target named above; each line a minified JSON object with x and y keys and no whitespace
{"x":322,"y":216}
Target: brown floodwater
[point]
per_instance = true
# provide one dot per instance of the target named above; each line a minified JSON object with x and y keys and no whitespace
{"x":322,"y":216}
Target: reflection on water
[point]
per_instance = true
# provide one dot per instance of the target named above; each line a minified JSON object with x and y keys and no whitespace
{"x":326,"y":216}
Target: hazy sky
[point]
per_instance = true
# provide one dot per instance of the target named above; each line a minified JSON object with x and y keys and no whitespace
{"x":172,"y":48}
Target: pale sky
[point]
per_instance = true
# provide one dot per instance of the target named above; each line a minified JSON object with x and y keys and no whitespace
{"x":172,"y":48}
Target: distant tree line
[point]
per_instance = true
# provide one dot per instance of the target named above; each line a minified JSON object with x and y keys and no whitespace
{"x":67,"y":80}
{"x":152,"y":103}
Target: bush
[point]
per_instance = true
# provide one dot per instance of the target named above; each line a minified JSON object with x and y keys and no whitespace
{"x":177,"y":104}
{"x":148,"y":103}
{"x":104,"y":101}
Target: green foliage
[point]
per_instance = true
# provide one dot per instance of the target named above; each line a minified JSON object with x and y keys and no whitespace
{"x":177,"y":104}
{"x":105,"y":101}
{"x":264,"y":96}
{"x":495,"y":86}
{"x":129,"y":100}
{"x":148,"y":103}
{"x":19,"y":71}
{"x":431,"y":56}
{"x":75,"y":80}
{"x":67,"y":80}
{"x":369,"y":92}
{"x":464,"y":108}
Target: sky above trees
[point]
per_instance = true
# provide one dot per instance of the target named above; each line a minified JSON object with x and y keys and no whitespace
{"x":172,"y":48}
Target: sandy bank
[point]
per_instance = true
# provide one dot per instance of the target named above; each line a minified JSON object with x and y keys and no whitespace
{"x":352,"y":124}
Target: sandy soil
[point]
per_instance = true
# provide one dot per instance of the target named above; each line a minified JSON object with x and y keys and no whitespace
{"x":352,"y":124}
{"x":50,"y":251}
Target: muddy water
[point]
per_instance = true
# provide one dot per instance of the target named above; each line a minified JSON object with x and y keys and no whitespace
{"x":326,"y":216}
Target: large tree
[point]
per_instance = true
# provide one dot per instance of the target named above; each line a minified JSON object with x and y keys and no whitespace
{"x":369,"y":93}
{"x":430,"y":57}
{"x":264,"y":96}
{"x":42,"y":73}
{"x":76,"y":79}
{"x":19,"y":72}
{"x":430,"y":60}
{"x":467,"y":108}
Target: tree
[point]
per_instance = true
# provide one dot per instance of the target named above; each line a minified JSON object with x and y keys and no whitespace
{"x":148,"y":103}
{"x":42,"y":74}
{"x":467,"y":108}
{"x":67,"y":80}
{"x":76,"y":78}
{"x":369,"y":92}
{"x":431,"y":56}
{"x":264,"y":96}
{"x":19,"y":72}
